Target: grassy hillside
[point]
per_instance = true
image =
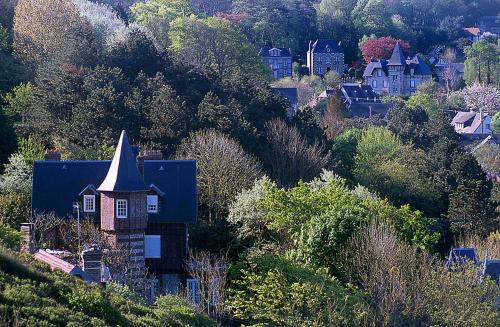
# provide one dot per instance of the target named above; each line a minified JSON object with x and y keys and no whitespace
{"x":30,"y":294}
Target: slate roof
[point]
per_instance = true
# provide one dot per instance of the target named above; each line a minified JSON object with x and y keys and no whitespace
{"x":397,"y":57}
{"x":123,"y":174}
{"x":359,"y":91}
{"x":375,"y":64}
{"x":290,"y":94}
{"x":471,"y":121}
{"x":284,"y":52}
{"x":418,"y":65}
{"x":365,"y":108}
{"x":492,"y":269}
{"x":322,"y":45}
{"x":459,"y":256}
{"x":57,"y":184}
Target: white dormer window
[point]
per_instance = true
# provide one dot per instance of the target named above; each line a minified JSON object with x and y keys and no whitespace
{"x":121,"y":208}
{"x":152,"y":203}
{"x":412,"y":71}
{"x":89,"y":203}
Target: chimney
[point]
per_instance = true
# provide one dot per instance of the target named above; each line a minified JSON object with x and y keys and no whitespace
{"x":27,"y":231}
{"x":91,"y":262}
{"x":52,"y":155}
{"x":147,"y":154}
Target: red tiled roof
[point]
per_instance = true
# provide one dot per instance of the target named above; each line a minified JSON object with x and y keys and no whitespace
{"x":472,"y":30}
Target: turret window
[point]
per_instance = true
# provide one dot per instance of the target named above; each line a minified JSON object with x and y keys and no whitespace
{"x":89,"y":203}
{"x":152,"y":203}
{"x":121,"y":208}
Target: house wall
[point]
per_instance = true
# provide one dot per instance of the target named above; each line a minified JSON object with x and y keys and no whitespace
{"x":137,"y":211}
{"x":486,"y":128}
{"x":319,"y":63}
{"x":403,"y":83}
{"x":280,"y":67}
{"x":173,"y":248}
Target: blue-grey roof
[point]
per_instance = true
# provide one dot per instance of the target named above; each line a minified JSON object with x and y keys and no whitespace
{"x":492,"y":269}
{"x":322,"y":46}
{"x":375,"y":64}
{"x":288,"y":93}
{"x":397,"y":57}
{"x":459,"y":256}
{"x":284,"y":52}
{"x":123,"y":174}
{"x":418,"y":65}
{"x":57,"y":184}
{"x":359,"y":91}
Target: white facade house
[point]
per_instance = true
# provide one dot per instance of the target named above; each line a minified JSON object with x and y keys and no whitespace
{"x":472,"y":124}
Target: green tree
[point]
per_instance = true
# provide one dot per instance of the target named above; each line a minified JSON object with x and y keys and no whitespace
{"x":495,"y":122}
{"x":51,"y":29}
{"x":157,"y":15}
{"x":275,"y":291}
{"x":214,"y":45}
{"x":284,"y":23}
{"x":482,"y":63}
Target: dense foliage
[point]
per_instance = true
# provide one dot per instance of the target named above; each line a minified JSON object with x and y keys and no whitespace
{"x":324,"y":218}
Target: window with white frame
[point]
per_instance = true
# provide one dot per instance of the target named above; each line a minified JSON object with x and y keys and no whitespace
{"x":193,"y":293}
{"x":121,"y":208}
{"x":386,"y":84}
{"x":152,"y":246}
{"x":152,"y":203}
{"x":412,"y":83}
{"x":374,"y":83}
{"x":89,"y":203}
{"x":379,"y":72}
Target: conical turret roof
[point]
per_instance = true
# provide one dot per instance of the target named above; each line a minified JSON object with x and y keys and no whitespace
{"x":397,"y":57}
{"x":123,"y":174}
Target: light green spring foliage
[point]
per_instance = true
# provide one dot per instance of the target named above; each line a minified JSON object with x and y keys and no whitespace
{"x":495,"y":122}
{"x":481,"y":64}
{"x":156,"y":16}
{"x":214,"y":44}
{"x":397,"y":171}
{"x":32,"y":295}
{"x":313,"y":221}
{"x":459,"y":298}
{"x":278,"y":292}
{"x":423,"y":101}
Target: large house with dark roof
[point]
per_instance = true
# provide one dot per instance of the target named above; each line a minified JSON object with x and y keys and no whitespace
{"x":279,"y":61}
{"x":397,"y":76}
{"x":143,"y":204}
{"x":325,"y":55}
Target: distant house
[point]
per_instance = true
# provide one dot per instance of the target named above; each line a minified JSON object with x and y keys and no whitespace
{"x":461,"y":255}
{"x":143,"y":204}
{"x":362,"y":101}
{"x":472,"y":124}
{"x":279,"y":61}
{"x":290,"y":94}
{"x":325,"y":55}
{"x":487,"y":25}
{"x":448,"y":73}
{"x":472,"y":33}
{"x":397,"y":76}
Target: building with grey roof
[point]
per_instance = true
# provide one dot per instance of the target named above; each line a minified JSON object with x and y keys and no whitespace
{"x":279,"y":61}
{"x":325,"y":55}
{"x":362,"y":101}
{"x":472,"y":124}
{"x":397,"y":76}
